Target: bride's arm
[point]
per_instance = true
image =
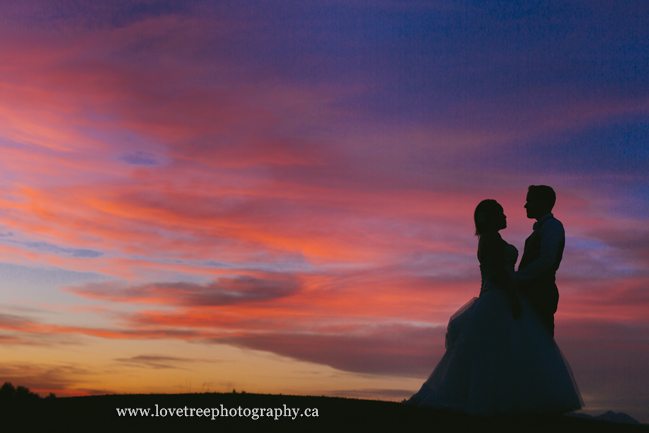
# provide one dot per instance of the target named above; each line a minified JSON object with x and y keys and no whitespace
{"x":491,"y":251}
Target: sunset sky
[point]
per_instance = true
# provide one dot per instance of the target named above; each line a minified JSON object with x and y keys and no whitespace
{"x":278,"y":196}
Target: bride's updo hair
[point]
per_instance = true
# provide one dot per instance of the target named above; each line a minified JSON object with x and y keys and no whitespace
{"x":484,"y":215}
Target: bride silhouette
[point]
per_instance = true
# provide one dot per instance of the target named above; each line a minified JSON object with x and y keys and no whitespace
{"x":500,"y":358}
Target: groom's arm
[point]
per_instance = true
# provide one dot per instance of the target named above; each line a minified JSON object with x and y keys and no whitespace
{"x":552,"y":236}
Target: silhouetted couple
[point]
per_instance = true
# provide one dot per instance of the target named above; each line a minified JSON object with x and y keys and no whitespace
{"x":501,"y":357}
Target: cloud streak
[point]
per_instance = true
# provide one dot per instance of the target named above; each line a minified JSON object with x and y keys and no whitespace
{"x":155,"y":361}
{"x":229,"y":291}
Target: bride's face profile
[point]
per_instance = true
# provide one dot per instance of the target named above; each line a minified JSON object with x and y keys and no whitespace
{"x":500,"y":220}
{"x":489,"y":217}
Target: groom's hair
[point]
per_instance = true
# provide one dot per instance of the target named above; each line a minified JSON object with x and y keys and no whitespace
{"x":544,"y":193}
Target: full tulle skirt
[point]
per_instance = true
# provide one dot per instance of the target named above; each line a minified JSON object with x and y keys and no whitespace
{"x":495,"y":364}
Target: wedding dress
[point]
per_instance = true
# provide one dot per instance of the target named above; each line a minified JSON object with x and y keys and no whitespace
{"x":495,"y":364}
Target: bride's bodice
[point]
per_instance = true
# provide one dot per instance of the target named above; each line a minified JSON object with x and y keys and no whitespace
{"x":488,"y":270}
{"x":511,"y":255}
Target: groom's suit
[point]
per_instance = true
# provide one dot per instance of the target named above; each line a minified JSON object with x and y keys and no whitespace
{"x":538,"y":267}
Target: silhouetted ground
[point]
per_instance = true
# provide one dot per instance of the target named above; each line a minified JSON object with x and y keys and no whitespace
{"x":99,"y":414}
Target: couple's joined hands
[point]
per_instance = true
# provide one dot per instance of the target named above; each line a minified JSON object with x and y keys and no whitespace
{"x":514,"y":302}
{"x":515,"y":305}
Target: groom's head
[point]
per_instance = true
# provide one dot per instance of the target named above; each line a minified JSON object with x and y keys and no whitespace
{"x":540,"y":201}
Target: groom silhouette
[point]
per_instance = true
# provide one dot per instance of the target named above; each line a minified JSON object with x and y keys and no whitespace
{"x":542,"y":255}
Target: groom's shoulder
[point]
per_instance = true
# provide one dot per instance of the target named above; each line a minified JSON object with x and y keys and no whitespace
{"x":554,"y":220}
{"x":553,"y":224}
